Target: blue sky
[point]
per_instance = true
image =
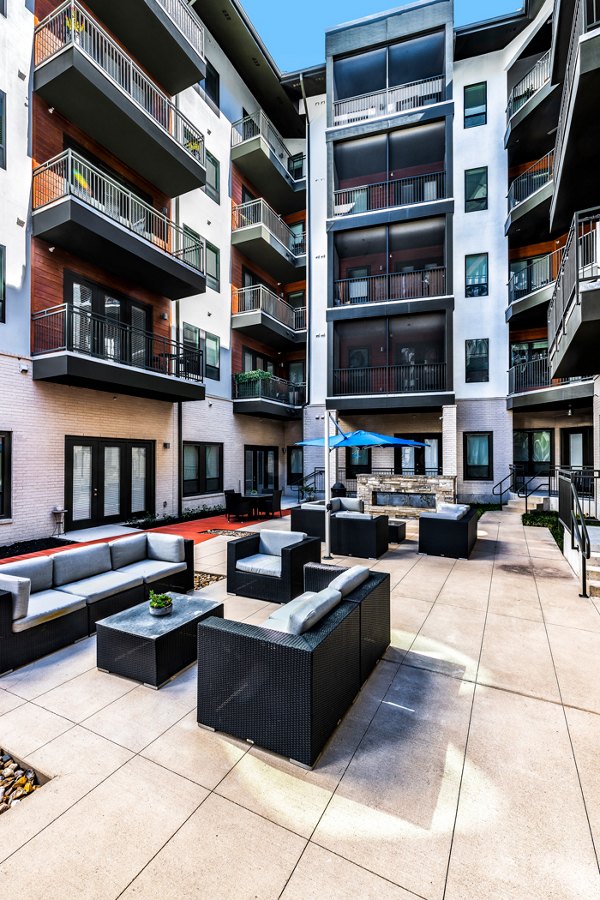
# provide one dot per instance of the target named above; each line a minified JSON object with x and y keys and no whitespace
{"x":294,"y":32}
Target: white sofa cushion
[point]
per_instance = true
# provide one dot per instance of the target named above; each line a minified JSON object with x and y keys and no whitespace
{"x":38,"y":569}
{"x":75,"y":565}
{"x":353,"y":515}
{"x":304,"y":612}
{"x":150,"y":570}
{"x":347,"y":581}
{"x":103,"y":585}
{"x":47,"y":605}
{"x":19,"y":588}
{"x":336,"y":504}
{"x":167,"y":547}
{"x":260,"y":564}
{"x":450,"y":511}
{"x":272,"y":542}
{"x":313,"y":507}
{"x":128,"y":550}
{"x":352,"y":504}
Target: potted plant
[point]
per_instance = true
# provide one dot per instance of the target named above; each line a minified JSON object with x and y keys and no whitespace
{"x":75,"y":28}
{"x":193,"y":146}
{"x":160,"y":604}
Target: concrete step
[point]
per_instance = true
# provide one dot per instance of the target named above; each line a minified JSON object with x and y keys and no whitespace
{"x":593,"y":588}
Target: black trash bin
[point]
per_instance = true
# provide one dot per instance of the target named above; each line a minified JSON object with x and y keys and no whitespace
{"x":338,"y":490}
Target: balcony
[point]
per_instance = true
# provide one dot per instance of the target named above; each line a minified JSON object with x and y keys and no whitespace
{"x":532,"y":286}
{"x":533,"y":93}
{"x":529,"y":199}
{"x":80,"y":209}
{"x":261,"y":394}
{"x":261,"y":155}
{"x":388,"y":194}
{"x":265,"y":317}
{"x":74,"y":346}
{"x":531,"y":386}
{"x":381,"y":388}
{"x":263,"y":237}
{"x":166,"y":36}
{"x":578,"y":134}
{"x":418,"y":284}
{"x":401,"y":99}
{"x":86,"y":76}
{"x":574,"y":311}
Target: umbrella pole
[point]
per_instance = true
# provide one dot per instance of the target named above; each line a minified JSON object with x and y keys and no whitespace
{"x":327,"y":450}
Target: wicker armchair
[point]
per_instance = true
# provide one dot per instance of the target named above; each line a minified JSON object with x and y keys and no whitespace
{"x":275,"y":589}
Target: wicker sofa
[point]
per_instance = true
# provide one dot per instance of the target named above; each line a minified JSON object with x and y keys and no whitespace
{"x":287,"y":692}
{"x":353,"y":532}
{"x":48,"y":602}
{"x":269,"y":565}
{"x":450,"y":531}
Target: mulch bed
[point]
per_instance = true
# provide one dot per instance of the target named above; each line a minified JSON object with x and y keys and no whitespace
{"x":203,"y":579}
{"x":22,"y":547}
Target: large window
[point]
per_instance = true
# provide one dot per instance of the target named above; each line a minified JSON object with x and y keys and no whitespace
{"x":213,"y":177}
{"x":476,"y":275}
{"x":476,"y":189}
{"x":202,"y":469}
{"x":475,"y":104}
{"x":477,"y":360}
{"x":2,"y":130}
{"x":210,"y":86}
{"x":210,"y":344}
{"x":533,"y":451}
{"x":213,"y":267}
{"x":5,"y":460}
{"x":478,"y":456}
{"x":192,"y":247}
{"x":2,"y":284}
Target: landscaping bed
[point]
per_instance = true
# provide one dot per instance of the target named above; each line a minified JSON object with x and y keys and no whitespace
{"x":20,"y":548}
{"x":543,"y":519}
{"x":17,"y":782}
{"x":149,"y":521}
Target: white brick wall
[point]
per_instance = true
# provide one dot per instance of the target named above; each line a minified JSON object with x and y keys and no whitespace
{"x":484,"y":415}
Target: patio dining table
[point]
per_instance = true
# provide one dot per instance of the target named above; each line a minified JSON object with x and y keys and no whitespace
{"x":255,"y":499}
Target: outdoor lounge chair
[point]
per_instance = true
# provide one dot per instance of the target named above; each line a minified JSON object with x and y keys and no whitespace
{"x":269,"y":565}
{"x":451,"y":531}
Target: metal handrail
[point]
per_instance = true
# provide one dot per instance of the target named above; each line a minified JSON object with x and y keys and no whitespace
{"x":258,"y":297}
{"x":316,"y":477}
{"x":255,"y":124}
{"x":273,"y":388}
{"x":537,"y":274}
{"x":184,"y":16}
{"x":527,"y":490}
{"x":72,"y":26}
{"x":499,"y":490}
{"x":572,"y":517}
{"x":535,"y":374}
{"x":395,"y":192}
{"x":71,"y":328}
{"x":532,"y":180}
{"x":389,"y":101}
{"x":258,"y":212}
{"x":582,"y":22}
{"x":529,"y":85}
{"x":421,"y":283}
{"x":70,"y":175}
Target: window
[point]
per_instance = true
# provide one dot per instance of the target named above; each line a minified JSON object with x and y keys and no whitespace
{"x":5,"y":459}
{"x":213,"y":178}
{"x":475,"y":104}
{"x":3,"y":7}
{"x":2,"y":129}
{"x":202,"y":469}
{"x":358,"y":461}
{"x":210,"y":87}
{"x":477,"y":358}
{"x":476,"y":189}
{"x":2,"y":284}
{"x":478,"y":456}
{"x":255,"y":362}
{"x":533,"y":451}
{"x":192,"y":248}
{"x":476,"y":275}
{"x":212,"y":356}
{"x":213,"y":267}
{"x":419,"y":460}
{"x":196,"y":339}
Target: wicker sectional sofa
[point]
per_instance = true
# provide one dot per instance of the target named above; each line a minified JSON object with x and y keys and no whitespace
{"x":48,"y":602}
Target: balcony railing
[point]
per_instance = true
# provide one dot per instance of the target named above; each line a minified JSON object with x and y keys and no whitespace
{"x":270,"y":388}
{"x":534,"y":375}
{"x":386,"y":194}
{"x":72,"y":329}
{"x":258,"y":124}
{"x":528,"y":86}
{"x":531,"y":181}
{"x":416,"y":285}
{"x":69,"y":175}
{"x":259,"y":297}
{"x":186,"y":20}
{"x":258,"y":212}
{"x":72,"y":26}
{"x":537,"y":274}
{"x":390,"y":101}
{"x":406,"y":379}
{"x":580,"y":265}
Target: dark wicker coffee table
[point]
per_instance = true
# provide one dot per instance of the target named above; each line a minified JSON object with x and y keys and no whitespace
{"x":152,"y":649}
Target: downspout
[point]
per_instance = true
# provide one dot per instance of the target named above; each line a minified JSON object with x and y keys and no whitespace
{"x":179,"y":403}
{"x":308,"y":246}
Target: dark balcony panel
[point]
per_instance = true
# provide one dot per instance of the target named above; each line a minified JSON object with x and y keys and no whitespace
{"x":263,"y":316}
{"x":532,"y":113}
{"x":531,"y":387}
{"x":529,"y":199}
{"x":385,"y":403}
{"x":166,"y":36}
{"x":269,"y":397}
{"x":530,"y":287}
{"x":263,"y":237}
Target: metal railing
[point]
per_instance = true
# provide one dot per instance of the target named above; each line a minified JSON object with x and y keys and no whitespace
{"x":272,"y":388}
{"x":531,"y":181}
{"x":256,"y":124}
{"x":580,"y":264}
{"x":72,"y":26}
{"x":384,"y":194}
{"x":535,"y":374}
{"x":428,"y":282}
{"x":529,"y":85}
{"x":389,"y":101}
{"x":70,"y":175}
{"x":184,"y":17}
{"x":577,"y":501}
{"x":259,"y":297}
{"x":537,"y":274}
{"x":73,"y":329}
{"x":310,"y":485}
{"x":258,"y":212}
{"x":403,"y":379}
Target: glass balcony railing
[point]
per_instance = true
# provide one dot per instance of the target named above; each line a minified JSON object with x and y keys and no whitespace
{"x":258,"y":124}
{"x":259,"y":297}
{"x":258,"y":212}
{"x":529,"y":86}
{"x":390,"y":101}
{"x":532,"y":180}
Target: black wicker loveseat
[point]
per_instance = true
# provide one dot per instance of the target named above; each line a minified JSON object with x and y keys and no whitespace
{"x":288,"y":692}
{"x":48,"y":602}
{"x":353,"y":532}
{"x":273,"y":564}
{"x":443,"y":535}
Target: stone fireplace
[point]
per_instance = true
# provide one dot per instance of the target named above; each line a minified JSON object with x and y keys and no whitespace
{"x":404,"y":496}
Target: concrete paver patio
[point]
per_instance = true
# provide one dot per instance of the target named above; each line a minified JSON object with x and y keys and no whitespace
{"x":467,"y":767}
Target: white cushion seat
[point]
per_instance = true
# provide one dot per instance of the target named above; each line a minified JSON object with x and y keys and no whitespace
{"x":47,"y":605}
{"x":260,"y":564}
{"x":304,"y":612}
{"x":349,"y":580}
{"x":273,"y":542}
{"x":104,"y":585}
{"x":451,"y":511}
{"x":150,"y":570}
{"x":353,"y":515}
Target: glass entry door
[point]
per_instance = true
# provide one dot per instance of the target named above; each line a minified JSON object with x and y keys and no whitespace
{"x":107,"y":481}
{"x":261,"y":469}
